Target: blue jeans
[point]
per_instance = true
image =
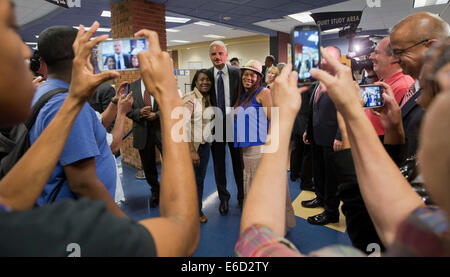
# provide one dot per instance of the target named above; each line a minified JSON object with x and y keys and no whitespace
{"x":200,"y":172}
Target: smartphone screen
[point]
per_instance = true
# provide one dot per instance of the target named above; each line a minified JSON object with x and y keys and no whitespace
{"x":120,"y":54}
{"x":372,"y":96}
{"x":306,"y":49}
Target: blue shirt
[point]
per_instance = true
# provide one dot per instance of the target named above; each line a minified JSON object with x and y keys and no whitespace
{"x":87,"y":139}
{"x":251,"y":124}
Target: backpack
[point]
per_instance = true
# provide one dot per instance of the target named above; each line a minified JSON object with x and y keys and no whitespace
{"x":18,"y":141}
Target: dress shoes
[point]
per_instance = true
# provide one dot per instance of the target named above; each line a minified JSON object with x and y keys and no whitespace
{"x":203,"y":219}
{"x":313,"y":203}
{"x":154,"y":201}
{"x":323,"y":219}
{"x":223,"y":208}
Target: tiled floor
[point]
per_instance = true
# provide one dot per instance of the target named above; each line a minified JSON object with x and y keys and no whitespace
{"x":220,"y":233}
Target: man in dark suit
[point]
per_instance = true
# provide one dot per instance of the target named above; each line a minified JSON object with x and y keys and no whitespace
{"x":146,"y":134}
{"x":323,"y":132}
{"x":224,"y":94}
{"x":123,"y":60}
{"x":409,"y":45}
{"x":270,"y":61}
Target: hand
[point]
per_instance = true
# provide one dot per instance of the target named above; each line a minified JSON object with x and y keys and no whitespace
{"x":84,"y":81}
{"x":305,"y":140}
{"x":390,"y":114}
{"x":156,"y":69}
{"x":125,"y":103}
{"x":145,"y":111}
{"x":152,"y":116}
{"x":341,"y":88}
{"x":120,"y":91}
{"x":337,"y":145}
{"x":285,"y":93}
{"x":38,"y":81}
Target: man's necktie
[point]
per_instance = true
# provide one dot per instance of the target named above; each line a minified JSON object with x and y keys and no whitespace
{"x":410,"y":93}
{"x":147,"y":99}
{"x":317,"y":95}
{"x":220,"y":93}
{"x":119,"y":66}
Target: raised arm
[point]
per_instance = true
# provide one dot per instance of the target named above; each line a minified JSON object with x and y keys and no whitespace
{"x":388,"y":196}
{"x":177,"y":231}
{"x":20,"y":191}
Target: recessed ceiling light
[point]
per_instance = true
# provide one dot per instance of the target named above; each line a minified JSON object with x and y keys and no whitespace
{"x":37,"y":36}
{"x":202,"y":23}
{"x":332,"y":31}
{"x":424,"y":3}
{"x":102,"y":30}
{"x":213,"y":36}
{"x":179,"y":41}
{"x":173,"y":30}
{"x":304,"y":17}
{"x":106,"y":14}
{"x":177,"y":19}
{"x":227,"y":18}
{"x":31,"y":43}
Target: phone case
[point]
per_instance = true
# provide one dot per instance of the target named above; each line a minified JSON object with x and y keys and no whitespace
{"x":311,"y":81}
{"x":101,"y":64}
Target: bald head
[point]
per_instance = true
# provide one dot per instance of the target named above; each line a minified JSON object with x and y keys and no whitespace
{"x":335,"y":52}
{"x":421,"y":26}
{"x":413,"y":36}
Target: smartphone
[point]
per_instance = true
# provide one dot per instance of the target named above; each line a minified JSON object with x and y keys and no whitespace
{"x":120,"y":54}
{"x":306,"y":48}
{"x":372,"y":96}
{"x":126,"y":89}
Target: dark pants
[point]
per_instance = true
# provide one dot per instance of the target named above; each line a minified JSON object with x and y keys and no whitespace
{"x":360,"y":227}
{"x":325,"y":179}
{"x":296,"y":155}
{"x":148,"y":161}
{"x":218,"y":153}
{"x":200,"y":172}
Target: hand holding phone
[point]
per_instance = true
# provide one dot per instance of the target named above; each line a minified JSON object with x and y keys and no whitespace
{"x":372,"y":96}
{"x":306,"y":48}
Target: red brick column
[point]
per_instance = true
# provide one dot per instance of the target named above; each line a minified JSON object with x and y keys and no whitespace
{"x":128,"y":17}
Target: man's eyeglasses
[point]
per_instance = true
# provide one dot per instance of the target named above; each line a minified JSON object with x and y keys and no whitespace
{"x":399,"y":52}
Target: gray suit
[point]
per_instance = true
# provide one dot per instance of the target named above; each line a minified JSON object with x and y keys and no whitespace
{"x":146,"y":135}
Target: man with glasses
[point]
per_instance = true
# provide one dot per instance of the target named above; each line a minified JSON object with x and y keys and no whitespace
{"x":410,"y":39}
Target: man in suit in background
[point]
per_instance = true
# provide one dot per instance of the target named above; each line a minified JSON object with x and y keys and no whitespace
{"x":224,"y":94}
{"x":322,"y":131}
{"x":146,"y":134}
{"x":123,"y":60}
{"x":270,"y":61}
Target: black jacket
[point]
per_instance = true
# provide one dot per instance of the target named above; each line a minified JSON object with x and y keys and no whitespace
{"x":142,"y":127}
{"x":234,"y":79}
{"x":412,"y":114}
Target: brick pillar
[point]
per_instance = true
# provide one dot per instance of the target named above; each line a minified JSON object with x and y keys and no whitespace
{"x":128,"y":17}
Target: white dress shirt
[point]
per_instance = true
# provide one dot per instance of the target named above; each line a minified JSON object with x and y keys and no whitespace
{"x":122,"y":61}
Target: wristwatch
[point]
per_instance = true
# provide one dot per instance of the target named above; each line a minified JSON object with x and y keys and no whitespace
{"x":114,"y":101}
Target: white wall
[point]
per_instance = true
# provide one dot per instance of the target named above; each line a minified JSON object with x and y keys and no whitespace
{"x":244,"y":52}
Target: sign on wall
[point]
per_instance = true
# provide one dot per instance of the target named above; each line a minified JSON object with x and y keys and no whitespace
{"x":332,"y":20}
{"x":66,"y":3}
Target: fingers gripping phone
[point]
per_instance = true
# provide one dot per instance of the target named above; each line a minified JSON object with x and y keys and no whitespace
{"x":306,"y":48}
{"x":126,"y":89}
{"x":372,"y":96}
{"x":120,"y":54}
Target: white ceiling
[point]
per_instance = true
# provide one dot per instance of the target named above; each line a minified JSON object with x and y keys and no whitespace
{"x":384,"y":17}
{"x":195,"y":33}
{"x":30,"y":10}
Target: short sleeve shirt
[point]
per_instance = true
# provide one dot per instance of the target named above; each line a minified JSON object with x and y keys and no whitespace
{"x":87,"y":139}
{"x":60,"y":229}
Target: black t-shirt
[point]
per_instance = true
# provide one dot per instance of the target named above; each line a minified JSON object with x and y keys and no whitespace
{"x":53,"y":230}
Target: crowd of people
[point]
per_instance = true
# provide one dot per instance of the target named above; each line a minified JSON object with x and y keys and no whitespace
{"x":68,"y":176}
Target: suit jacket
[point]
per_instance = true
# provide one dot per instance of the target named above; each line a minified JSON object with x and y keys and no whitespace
{"x":301,"y":120}
{"x":412,"y":114}
{"x":234,"y":79}
{"x":323,"y":127}
{"x":142,"y":128}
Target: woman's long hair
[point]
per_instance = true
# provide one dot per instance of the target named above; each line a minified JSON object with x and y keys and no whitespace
{"x":249,"y":95}
{"x":210,"y":77}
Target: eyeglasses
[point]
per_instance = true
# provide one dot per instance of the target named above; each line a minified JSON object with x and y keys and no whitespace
{"x":399,"y":52}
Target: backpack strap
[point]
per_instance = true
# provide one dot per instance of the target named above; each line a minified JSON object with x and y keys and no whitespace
{"x":40,"y":104}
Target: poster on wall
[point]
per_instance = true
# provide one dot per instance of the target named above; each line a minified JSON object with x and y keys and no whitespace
{"x":289,"y":53}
